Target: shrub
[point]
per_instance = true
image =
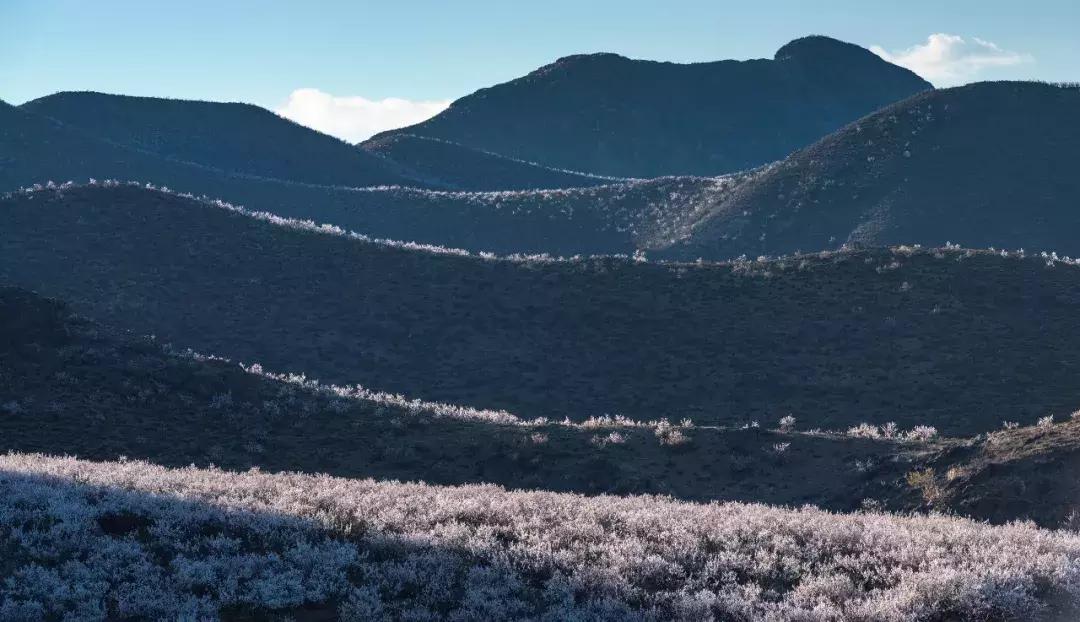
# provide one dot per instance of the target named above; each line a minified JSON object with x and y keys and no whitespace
{"x":130,"y":540}
{"x":670,"y":435}
{"x":1046,"y":422}
{"x":864,"y":430}
{"x":787,"y":423}
{"x":926,"y":482}
{"x":921,"y":433}
{"x":612,"y":438}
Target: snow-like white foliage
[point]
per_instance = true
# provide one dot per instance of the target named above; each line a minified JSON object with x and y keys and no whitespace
{"x":684,"y":220}
{"x":91,"y":541}
{"x":892,"y":431}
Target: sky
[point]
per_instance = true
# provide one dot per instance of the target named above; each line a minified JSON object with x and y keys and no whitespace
{"x":352,"y":68}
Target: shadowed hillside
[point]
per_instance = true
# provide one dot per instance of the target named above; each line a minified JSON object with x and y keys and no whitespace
{"x":988,"y":164}
{"x":915,"y":337}
{"x":611,"y":115}
{"x":144,"y":402}
{"x":64,"y":375}
{"x":450,"y":165}
{"x":231,"y":137}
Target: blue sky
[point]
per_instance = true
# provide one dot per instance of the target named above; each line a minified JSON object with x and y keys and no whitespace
{"x":433,"y":52}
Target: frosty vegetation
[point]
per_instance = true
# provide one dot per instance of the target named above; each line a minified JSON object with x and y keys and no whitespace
{"x":653,"y":212}
{"x":762,"y":266}
{"x":91,"y":541}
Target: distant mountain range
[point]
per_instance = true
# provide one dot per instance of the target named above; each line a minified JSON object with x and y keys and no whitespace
{"x":611,"y":115}
{"x":879,"y":335}
{"x":925,"y":170}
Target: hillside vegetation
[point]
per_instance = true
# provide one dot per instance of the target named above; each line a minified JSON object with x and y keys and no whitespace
{"x":611,"y":115}
{"x":130,"y":539}
{"x":960,"y":340}
{"x":988,"y":164}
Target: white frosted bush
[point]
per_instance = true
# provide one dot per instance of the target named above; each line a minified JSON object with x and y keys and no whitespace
{"x":198,"y":539}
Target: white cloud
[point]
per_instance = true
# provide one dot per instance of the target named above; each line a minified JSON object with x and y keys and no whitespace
{"x":355,"y":118}
{"x":951,"y":59}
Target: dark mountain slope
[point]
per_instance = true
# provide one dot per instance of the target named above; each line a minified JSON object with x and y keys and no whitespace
{"x":618,"y":218}
{"x":989,"y":164}
{"x":450,"y":165}
{"x":611,"y":115}
{"x":956,"y":340}
{"x":64,"y":375}
{"x":232,"y":137}
{"x":143,"y":402}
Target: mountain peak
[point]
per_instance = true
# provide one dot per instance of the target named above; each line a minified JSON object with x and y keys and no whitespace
{"x":594,"y":56}
{"x":819,"y":47}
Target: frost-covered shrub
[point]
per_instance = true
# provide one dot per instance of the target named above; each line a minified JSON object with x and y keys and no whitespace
{"x":1046,"y":422}
{"x":921,"y":433}
{"x":787,"y":423}
{"x":864,"y":430}
{"x":670,"y":435}
{"x":95,"y":541}
{"x":612,"y":438}
{"x":892,"y":431}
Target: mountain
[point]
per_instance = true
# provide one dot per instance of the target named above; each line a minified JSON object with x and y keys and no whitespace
{"x":450,"y":165}
{"x":984,"y":165}
{"x":616,"y":218}
{"x":231,"y":137}
{"x":249,"y":140}
{"x":959,"y":340}
{"x":611,"y":115}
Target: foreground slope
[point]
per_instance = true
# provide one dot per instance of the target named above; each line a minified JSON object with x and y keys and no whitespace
{"x":232,"y":137}
{"x":611,"y":115}
{"x":956,"y":339}
{"x":130,"y":539}
{"x":988,"y":164}
{"x":450,"y":165}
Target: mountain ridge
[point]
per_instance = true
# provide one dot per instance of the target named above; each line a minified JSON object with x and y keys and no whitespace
{"x":986,"y":164}
{"x":589,"y":111}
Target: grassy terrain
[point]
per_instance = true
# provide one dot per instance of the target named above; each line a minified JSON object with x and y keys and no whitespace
{"x":960,"y":340}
